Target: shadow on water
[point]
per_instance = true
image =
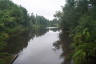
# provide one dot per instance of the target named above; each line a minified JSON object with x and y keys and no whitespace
{"x":64,"y":44}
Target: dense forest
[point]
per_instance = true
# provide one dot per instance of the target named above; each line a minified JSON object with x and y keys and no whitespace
{"x":78,"y":17}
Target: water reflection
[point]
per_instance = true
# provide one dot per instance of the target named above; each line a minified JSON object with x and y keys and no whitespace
{"x":20,"y":41}
{"x":39,"y":49}
{"x":16,"y":43}
{"x":64,"y":44}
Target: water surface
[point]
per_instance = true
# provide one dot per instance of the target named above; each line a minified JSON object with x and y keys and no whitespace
{"x":42,"y":46}
{"x":40,"y":49}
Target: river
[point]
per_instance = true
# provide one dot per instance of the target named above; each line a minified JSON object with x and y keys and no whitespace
{"x":43,"y":46}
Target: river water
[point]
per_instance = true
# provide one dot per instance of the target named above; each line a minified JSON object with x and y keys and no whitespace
{"x":43,"y":46}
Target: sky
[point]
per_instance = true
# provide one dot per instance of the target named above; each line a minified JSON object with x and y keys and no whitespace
{"x":46,"y":8}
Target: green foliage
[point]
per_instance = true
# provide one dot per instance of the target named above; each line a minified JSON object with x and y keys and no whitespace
{"x":2,"y":45}
{"x":79,"y":56}
{"x":12,"y":19}
{"x":54,"y":23}
{"x":79,"y":19}
{"x":3,"y":36}
{"x":82,"y":52}
{"x":41,"y":22}
{"x":2,"y":61}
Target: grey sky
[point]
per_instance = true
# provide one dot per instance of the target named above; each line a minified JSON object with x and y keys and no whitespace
{"x":46,"y":8}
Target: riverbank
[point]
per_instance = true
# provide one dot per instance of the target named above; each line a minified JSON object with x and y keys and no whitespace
{"x":6,"y":59}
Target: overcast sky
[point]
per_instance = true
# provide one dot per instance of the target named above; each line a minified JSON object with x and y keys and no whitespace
{"x":46,"y":8}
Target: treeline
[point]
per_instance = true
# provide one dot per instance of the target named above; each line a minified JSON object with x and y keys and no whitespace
{"x":53,"y":23}
{"x":41,"y":22}
{"x":79,"y":19}
{"x":37,"y":21}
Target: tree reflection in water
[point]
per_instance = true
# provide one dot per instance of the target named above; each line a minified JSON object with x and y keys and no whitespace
{"x":64,"y":44}
{"x":16,"y":43}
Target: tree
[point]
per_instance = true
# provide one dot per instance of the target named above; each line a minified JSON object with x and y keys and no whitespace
{"x":79,"y":20}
